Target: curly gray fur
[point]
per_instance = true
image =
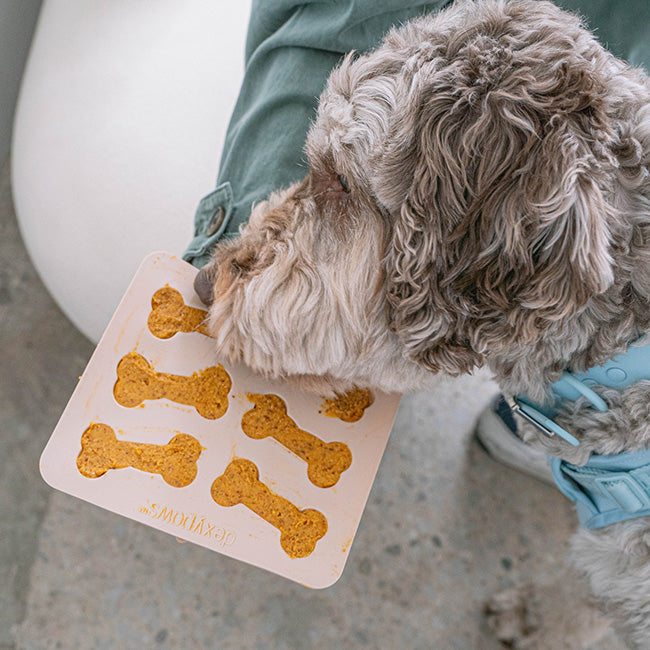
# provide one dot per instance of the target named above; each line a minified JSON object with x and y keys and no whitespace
{"x":495,"y":211}
{"x":616,"y":562}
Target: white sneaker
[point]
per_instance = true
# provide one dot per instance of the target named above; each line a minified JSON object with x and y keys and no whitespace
{"x":496,"y":431}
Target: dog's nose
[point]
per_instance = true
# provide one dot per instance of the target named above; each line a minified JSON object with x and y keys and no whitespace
{"x":204,"y":286}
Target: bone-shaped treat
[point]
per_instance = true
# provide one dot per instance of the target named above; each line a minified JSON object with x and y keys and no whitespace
{"x":350,"y":406}
{"x":206,"y":390}
{"x":170,"y":315}
{"x":325,"y":461}
{"x":299,"y":529}
{"x":102,"y":451}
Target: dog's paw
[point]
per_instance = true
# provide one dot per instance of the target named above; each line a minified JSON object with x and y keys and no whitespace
{"x":558,"y":615}
{"x":512,"y":618}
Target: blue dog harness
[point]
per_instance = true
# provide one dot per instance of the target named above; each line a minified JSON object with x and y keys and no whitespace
{"x":608,"y":488}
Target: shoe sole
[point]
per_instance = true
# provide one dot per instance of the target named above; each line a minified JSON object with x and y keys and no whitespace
{"x":505,"y":447}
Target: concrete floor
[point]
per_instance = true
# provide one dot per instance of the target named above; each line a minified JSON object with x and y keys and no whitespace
{"x":435,"y":541}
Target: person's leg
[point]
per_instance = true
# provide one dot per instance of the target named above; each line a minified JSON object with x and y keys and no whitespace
{"x":291,"y":49}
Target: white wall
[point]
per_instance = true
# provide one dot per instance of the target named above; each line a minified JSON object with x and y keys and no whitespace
{"x":17,"y":22}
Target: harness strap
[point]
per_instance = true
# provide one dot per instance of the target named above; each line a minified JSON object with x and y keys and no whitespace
{"x":608,"y":489}
{"x":625,"y":369}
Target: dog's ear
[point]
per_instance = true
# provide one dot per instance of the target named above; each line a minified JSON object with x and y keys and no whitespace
{"x":502,"y":228}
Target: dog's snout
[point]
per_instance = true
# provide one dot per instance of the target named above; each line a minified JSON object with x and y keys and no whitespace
{"x":204,"y":285}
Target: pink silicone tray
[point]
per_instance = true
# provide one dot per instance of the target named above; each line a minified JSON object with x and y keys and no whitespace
{"x":190,"y":512}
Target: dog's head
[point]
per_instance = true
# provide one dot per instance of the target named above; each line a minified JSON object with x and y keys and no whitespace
{"x":457,"y":204}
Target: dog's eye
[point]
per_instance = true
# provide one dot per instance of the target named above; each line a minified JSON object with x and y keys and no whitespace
{"x":344,"y":183}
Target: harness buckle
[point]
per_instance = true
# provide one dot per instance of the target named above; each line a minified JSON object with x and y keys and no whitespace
{"x":544,"y":424}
